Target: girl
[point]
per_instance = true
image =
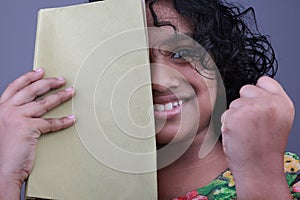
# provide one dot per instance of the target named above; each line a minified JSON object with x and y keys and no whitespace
{"x":247,"y":163}
{"x":254,"y":128}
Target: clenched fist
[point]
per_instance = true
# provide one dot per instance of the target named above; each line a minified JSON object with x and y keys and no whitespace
{"x":255,"y":132}
{"x":21,"y":124}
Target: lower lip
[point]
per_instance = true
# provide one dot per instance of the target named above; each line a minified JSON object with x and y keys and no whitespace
{"x":168,"y":114}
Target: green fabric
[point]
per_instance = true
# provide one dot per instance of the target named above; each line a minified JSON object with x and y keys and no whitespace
{"x":223,"y":187}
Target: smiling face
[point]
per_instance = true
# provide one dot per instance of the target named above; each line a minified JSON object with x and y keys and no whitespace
{"x":183,"y":99}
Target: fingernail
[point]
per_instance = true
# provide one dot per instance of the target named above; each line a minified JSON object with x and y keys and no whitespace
{"x":70,"y":89}
{"x":60,"y":78}
{"x":222,"y":129}
{"x":38,"y":70}
{"x":71,"y":116}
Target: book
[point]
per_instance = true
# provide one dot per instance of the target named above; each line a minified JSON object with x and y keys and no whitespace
{"x":101,"y":50}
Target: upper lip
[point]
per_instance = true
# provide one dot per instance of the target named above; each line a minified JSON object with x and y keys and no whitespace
{"x":163,"y":95}
{"x":164,"y":99}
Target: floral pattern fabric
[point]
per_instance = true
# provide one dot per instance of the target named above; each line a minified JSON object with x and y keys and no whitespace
{"x":223,"y":187}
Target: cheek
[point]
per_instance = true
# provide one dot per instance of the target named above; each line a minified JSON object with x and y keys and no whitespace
{"x":210,"y":97}
{"x":206,"y":93}
{"x":205,"y":105}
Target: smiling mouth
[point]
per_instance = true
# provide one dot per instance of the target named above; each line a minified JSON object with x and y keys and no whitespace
{"x":168,"y":110}
{"x":168,"y":106}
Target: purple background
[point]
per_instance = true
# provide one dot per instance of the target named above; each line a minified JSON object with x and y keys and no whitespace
{"x":279,"y":19}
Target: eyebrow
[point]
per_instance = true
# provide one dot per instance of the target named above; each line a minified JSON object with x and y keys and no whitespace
{"x":178,"y":37}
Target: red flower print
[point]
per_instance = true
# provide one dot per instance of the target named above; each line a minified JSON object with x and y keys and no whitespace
{"x":199,"y":197}
{"x":193,"y":195}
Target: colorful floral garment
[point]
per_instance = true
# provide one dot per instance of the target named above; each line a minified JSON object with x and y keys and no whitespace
{"x":223,"y":187}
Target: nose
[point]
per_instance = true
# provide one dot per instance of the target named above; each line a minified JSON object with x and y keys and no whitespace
{"x":164,"y":77}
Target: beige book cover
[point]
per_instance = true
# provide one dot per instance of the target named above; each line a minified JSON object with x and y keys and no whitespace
{"x":101,"y":50}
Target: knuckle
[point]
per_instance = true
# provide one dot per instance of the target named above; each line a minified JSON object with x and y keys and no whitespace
{"x":51,"y":125}
{"x":48,"y":81}
{"x":263,"y":79}
{"x":59,"y":98}
{"x":65,"y":122}
{"x":224,"y":115}
{"x":27,"y":78}
{"x":235,"y":103}
{"x":41,"y":101}
{"x":244,"y":89}
{"x":59,"y":124}
{"x":30,"y":91}
{"x":62,"y":122}
{"x":53,"y":82}
{"x":226,"y":122}
{"x":44,"y":83}
{"x":55,"y":125}
{"x":62,"y":96}
{"x":235,"y":118}
{"x":43,"y":106}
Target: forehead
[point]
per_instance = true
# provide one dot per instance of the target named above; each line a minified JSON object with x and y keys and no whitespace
{"x":165,"y":12}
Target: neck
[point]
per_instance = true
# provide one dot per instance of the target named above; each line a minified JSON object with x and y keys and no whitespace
{"x":190,"y":172}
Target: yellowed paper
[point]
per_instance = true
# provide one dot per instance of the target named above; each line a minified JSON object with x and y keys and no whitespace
{"x":100,"y":48}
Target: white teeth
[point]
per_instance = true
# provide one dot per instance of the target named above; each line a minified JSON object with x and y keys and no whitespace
{"x":159,"y":107}
{"x":168,"y":106}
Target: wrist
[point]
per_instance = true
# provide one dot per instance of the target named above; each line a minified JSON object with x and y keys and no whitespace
{"x":10,"y":188}
{"x":262,"y":186}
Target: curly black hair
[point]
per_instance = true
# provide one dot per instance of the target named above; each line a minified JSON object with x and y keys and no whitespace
{"x":241,"y":54}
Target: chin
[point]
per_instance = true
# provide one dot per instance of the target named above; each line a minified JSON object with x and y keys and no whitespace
{"x":164,"y":138}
